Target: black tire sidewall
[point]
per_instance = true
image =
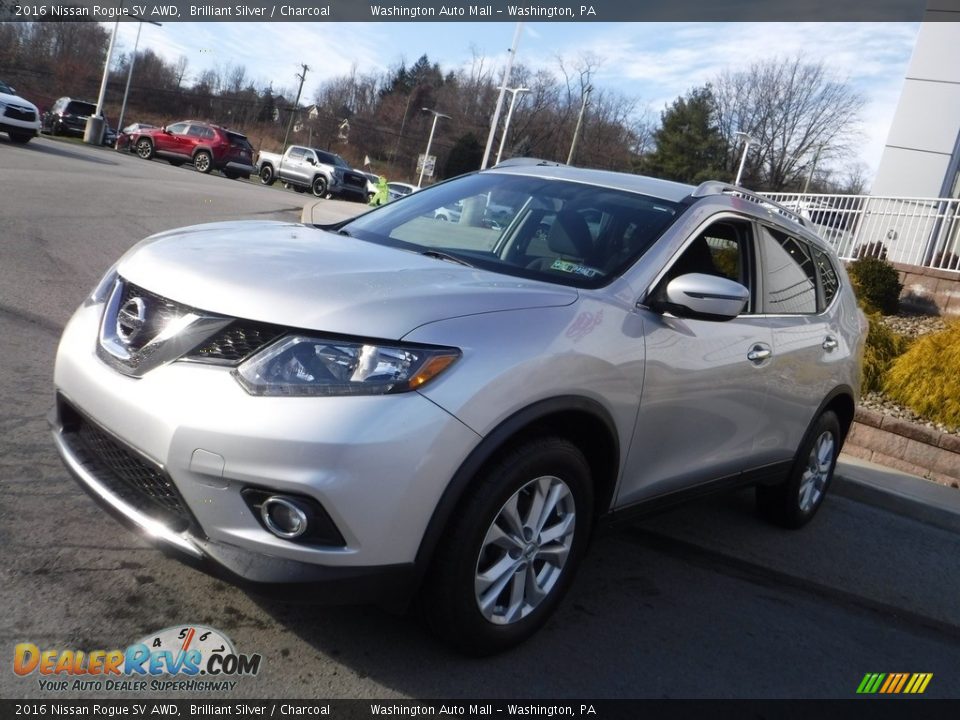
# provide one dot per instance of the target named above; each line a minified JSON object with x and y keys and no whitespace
{"x":266,"y":175}
{"x":319,"y":182}
{"x":452,"y":590}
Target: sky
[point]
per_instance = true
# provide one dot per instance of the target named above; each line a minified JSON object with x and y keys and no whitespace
{"x":651,"y":62}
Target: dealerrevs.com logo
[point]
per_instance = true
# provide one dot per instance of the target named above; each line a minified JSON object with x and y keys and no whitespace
{"x":185,"y":658}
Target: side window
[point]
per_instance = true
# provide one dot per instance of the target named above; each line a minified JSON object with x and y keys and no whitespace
{"x":296,"y":153}
{"x":177,"y":128}
{"x":829,"y":280}
{"x":209,"y":134}
{"x":723,"y":249}
{"x":196,"y":131}
{"x":789,"y":275}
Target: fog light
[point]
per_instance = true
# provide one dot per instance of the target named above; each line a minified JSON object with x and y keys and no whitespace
{"x":285,"y":517}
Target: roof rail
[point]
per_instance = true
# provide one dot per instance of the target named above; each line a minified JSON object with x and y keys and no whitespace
{"x":521,"y":161}
{"x":715,"y":187}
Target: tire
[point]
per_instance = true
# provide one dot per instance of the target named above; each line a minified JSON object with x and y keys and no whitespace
{"x":21,"y":138}
{"x":319,"y":186}
{"x":793,"y":502}
{"x":145,"y":149}
{"x":495,"y":580}
{"x":266,"y":175}
{"x":203,"y":162}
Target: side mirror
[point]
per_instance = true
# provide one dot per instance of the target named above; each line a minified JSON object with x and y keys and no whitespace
{"x":703,"y":297}
{"x":312,"y":160}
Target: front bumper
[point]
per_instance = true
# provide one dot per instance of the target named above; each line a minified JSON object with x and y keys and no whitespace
{"x":377,"y":465}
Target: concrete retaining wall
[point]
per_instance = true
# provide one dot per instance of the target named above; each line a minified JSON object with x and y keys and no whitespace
{"x":905,"y":446}
{"x":936,"y":292}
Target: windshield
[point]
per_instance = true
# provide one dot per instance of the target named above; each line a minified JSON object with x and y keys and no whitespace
{"x":6,"y":89}
{"x":331,"y":158}
{"x":563,"y":232}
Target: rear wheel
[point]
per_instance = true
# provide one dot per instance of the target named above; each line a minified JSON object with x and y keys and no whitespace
{"x":266,"y":175}
{"x":319,"y":186}
{"x":795,"y":501}
{"x":144,"y":148}
{"x":511,"y":551}
{"x":202,"y":162}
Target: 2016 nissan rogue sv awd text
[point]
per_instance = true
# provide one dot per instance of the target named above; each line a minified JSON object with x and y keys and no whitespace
{"x":396,"y":407}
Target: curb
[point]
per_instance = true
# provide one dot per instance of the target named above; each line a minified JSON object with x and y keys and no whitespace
{"x":897,"y":492}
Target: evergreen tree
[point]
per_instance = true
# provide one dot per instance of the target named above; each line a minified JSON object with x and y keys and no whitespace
{"x":689,"y":147}
{"x":465,"y":156}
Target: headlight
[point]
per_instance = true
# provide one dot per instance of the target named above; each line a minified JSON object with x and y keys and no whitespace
{"x":299,"y":365}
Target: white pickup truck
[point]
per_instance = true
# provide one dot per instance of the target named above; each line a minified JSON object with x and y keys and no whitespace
{"x":323,"y":173}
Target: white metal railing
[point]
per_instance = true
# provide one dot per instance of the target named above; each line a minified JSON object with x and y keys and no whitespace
{"x":914,"y":231}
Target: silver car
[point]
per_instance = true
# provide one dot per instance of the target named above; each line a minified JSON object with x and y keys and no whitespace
{"x":398,"y":408}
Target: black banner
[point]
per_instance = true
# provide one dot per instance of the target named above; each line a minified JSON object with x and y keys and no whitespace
{"x":483,"y":11}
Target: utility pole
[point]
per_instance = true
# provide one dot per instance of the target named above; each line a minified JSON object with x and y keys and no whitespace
{"x":296,"y":105}
{"x":743,"y":158}
{"x":133,"y":59}
{"x":576,"y":132}
{"x":426,"y":154}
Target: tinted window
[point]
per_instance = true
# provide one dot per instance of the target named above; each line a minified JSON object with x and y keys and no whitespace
{"x":76,"y":107}
{"x":829,"y":280}
{"x":331,"y":159}
{"x":297,"y":153}
{"x":197,"y":131}
{"x":238,"y":140}
{"x":789,"y":275}
{"x":4,"y":88}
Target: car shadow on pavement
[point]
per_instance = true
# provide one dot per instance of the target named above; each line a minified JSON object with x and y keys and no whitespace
{"x":61,"y":150}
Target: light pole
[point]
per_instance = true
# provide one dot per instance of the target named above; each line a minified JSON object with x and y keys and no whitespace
{"x":576,"y":132}
{"x":433,"y":127}
{"x":133,"y":59}
{"x":743,"y":158}
{"x":806,"y":185}
{"x":503,"y":85}
{"x":93,"y":132}
{"x":506,"y":125}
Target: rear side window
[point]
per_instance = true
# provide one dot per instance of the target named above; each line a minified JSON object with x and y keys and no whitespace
{"x":238,"y":140}
{"x":829,"y":280}
{"x":789,"y":275}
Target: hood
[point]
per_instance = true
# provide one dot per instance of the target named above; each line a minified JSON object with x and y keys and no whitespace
{"x":302,"y":277}
{"x":17,"y":100}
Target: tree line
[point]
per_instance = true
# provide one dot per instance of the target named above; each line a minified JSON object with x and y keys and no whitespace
{"x":803,"y":122}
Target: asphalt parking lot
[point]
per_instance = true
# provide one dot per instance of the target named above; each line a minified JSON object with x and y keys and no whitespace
{"x":701,"y":602}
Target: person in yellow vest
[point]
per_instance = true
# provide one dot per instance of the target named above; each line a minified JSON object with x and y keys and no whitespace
{"x":382,"y":195}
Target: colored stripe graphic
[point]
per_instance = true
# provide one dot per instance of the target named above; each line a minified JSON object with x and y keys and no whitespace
{"x":894,"y":683}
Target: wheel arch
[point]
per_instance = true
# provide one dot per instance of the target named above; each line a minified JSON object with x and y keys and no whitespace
{"x":582,"y":421}
{"x":841,"y":401}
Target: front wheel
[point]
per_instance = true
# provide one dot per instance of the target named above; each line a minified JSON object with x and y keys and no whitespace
{"x":511,"y":551}
{"x":319,"y":187}
{"x":202,"y":162}
{"x":144,"y":148}
{"x":793,"y":502}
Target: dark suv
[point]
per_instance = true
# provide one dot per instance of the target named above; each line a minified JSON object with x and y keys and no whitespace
{"x":67,"y":117}
{"x":208,"y":147}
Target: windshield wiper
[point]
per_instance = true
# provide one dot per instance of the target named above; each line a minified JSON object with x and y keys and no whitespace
{"x":440,"y":255}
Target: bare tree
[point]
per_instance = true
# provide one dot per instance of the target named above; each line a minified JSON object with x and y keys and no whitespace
{"x":797,"y":114}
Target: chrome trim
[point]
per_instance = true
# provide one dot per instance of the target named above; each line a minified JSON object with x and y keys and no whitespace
{"x":148,"y":525}
{"x":179,"y":337}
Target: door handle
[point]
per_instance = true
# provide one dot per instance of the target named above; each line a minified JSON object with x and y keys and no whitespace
{"x":758,"y":353}
{"x":830,"y":343}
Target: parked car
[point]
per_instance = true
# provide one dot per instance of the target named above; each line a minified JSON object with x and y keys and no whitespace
{"x":109,"y":136}
{"x":19,"y":118}
{"x":209,"y":147}
{"x":372,"y":181}
{"x":126,"y":134}
{"x":68,"y":116}
{"x":399,"y":189}
{"x":393,"y":407}
{"x":322,"y":173}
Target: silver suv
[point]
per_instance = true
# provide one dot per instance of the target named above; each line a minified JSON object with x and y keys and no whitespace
{"x":402,"y":407}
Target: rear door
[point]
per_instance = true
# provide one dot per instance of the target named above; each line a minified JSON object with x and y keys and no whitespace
{"x":705,"y":382}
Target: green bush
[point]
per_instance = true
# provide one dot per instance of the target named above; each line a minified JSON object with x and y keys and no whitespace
{"x":876,"y":284}
{"x":926,"y":378}
{"x":882,"y":348}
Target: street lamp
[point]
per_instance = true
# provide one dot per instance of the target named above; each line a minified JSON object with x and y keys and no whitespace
{"x":576,"y":131}
{"x":433,"y":127}
{"x":133,"y":59}
{"x":506,"y":125}
{"x":743,"y":158}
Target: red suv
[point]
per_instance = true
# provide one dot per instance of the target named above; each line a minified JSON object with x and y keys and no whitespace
{"x":208,"y":147}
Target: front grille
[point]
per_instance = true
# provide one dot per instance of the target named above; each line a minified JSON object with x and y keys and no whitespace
{"x":236,"y":342}
{"x":158,"y":311}
{"x":16,"y":113}
{"x":137,"y":481}
{"x":355,"y":180}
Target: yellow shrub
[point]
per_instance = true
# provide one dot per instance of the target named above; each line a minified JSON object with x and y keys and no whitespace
{"x":882,"y":348}
{"x":926,"y":378}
